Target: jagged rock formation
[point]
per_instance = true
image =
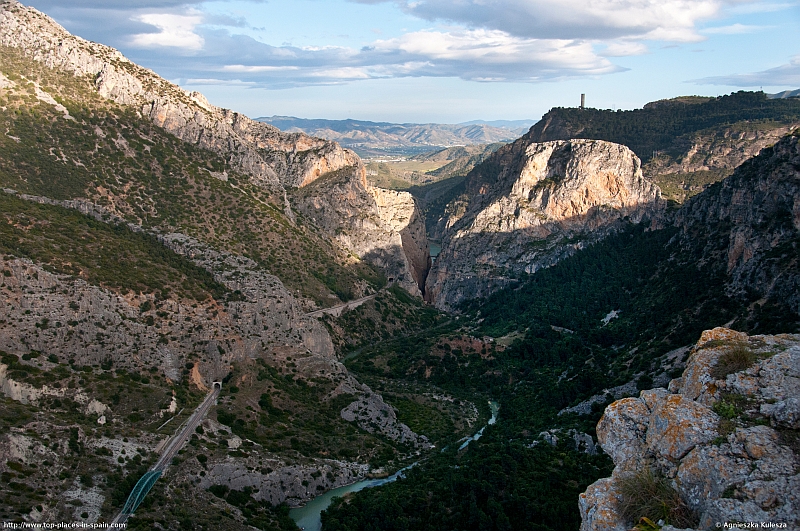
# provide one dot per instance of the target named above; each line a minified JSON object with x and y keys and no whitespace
{"x":750,"y":225}
{"x":269,"y":156}
{"x":530,"y":205}
{"x":384,"y":227}
{"x":727,"y":443}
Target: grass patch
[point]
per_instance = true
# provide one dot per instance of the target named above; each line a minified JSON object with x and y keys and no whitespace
{"x":737,"y":359}
{"x":648,"y":495}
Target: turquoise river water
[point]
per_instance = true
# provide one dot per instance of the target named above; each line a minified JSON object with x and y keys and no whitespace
{"x":307,"y":517}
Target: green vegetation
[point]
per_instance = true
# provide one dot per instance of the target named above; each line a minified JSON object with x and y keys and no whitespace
{"x":113,"y":256}
{"x":393,"y":313}
{"x":656,"y":127}
{"x":293,"y":415}
{"x":738,"y":358}
{"x":74,"y":445}
{"x":494,"y":486}
{"x":680,"y":186}
{"x":117,"y":159}
{"x":260,"y":515}
{"x":562,"y":348}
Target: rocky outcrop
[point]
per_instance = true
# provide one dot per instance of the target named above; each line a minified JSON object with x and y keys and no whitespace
{"x":372,"y":414}
{"x":723,"y":148}
{"x":267,"y":155}
{"x":384,"y":227}
{"x":726,"y":443}
{"x":750,"y":225}
{"x":529,"y":206}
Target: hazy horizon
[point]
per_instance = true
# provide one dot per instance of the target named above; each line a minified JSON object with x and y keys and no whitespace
{"x":446,"y":61}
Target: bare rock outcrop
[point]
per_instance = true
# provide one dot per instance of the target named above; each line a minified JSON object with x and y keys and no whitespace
{"x":529,"y":206}
{"x":270,"y":157}
{"x":726,"y":443}
{"x":384,"y":227}
{"x":749,"y":225}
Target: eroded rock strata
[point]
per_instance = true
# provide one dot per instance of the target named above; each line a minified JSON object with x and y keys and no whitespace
{"x":383,"y":227}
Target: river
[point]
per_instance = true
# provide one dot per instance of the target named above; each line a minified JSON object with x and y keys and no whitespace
{"x":435,"y":249}
{"x":307,"y":517}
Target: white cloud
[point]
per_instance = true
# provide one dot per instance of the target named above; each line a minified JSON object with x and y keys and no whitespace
{"x":749,"y":8}
{"x":257,"y":69}
{"x":780,"y":76}
{"x":496,"y":55}
{"x":734,"y":29}
{"x":672,"y":20}
{"x":624,"y":49}
{"x":176,"y":31}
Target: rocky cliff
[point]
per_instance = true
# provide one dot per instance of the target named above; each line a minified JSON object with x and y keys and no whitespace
{"x":750,"y":225}
{"x":720,"y":444}
{"x":383,"y":227}
{"x":266,"y":156}
{"x":92,"y":362}
{"x":531,"y":204}
{"x":688,"y":142}
{"x":269,"y":156}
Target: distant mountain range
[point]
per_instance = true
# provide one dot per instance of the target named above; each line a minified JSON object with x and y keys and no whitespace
{"x":785,"y":94}
{"x":379,"y":138}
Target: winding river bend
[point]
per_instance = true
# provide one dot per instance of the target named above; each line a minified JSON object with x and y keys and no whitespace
{"x":307,"y":517}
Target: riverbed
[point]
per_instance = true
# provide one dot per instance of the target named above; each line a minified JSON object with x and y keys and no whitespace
{"x":307,"y":517}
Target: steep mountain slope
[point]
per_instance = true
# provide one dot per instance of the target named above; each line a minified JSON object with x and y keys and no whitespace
{"x":384,"y":227}
{"x":246,"y":208}
{"x":749,"y":225}
{"x":149,"y":247}
{"x":529,"y":206}
{"x":260,"y":151}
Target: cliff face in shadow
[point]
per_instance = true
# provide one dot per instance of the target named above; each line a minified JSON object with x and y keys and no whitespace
{"x":384,"y":227}
{"x":750,"y":225}
{"x":530,"y":205}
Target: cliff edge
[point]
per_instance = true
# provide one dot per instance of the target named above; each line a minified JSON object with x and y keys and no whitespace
{"x":719,"y":446}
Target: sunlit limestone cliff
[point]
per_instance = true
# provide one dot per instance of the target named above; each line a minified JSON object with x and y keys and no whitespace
{"x":530,"y":205}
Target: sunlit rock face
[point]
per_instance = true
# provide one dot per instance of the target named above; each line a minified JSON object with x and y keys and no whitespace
{"x":383,"y":227}
{"x":529,"y":206}
{"x":740,"y":465}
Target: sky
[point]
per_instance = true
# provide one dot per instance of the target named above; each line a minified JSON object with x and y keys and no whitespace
{"x":447,"y":61}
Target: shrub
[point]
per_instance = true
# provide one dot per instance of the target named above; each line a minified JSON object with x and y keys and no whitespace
{"x":647,"y":495}
{"x":738,"y":358}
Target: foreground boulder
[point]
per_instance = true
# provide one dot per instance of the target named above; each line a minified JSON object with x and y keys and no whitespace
{"x":723,"y":437}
